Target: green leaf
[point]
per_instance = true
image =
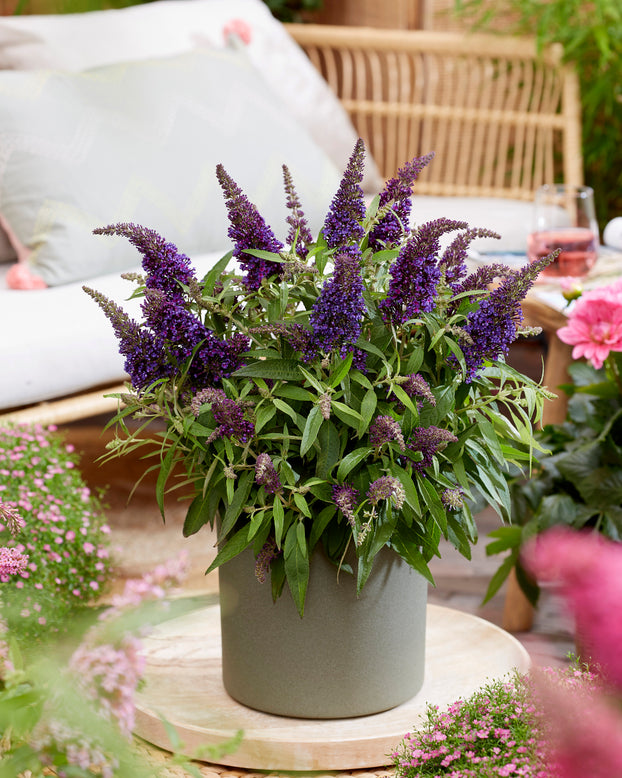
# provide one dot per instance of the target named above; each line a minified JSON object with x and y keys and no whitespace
{"x":209,"y":281}
{"x":264,"y":414}
{"x":506,"y":538}
{"x":351,"y":460}
{"x":301,"y":504}
{"x":278,"y":516}
{"x":164,"y":471}
{"x":240,"y":496}
{"x":255,"y":523}
{"x":341,"y":371}
{"x":412,"y":497}
{"x":312,"y":427}
{"x":197,"y":515}
{"x":261,"y":254}
{"x":320,"y":523}
{"x":296,"y":567}
{"x":293,"y":393}
{"x":346,"y":414}
{"x":230,"y":548}
{"x":328,"y":455}
{"x":404,"y":399}
{"x":406,"y":543}
{"x":317,"y":385}
{"x":368,"y":408}
{"x":285,"y":408}
{"x":275,"y":369}
{"x":499,"y":576}
{"x":433,"y":502}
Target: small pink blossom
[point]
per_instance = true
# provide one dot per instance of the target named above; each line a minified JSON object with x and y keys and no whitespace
{"x":12,"y":561}
{"x":238,"y":27}
{"x":595,"y":324}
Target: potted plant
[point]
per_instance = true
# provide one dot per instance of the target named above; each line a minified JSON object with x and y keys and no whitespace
{"x":332,"y":410}
{"x":576,"y":479}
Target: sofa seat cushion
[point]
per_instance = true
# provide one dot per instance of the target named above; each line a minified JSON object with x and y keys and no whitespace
{"x":57,"y":341}
{"x":512,"y":219}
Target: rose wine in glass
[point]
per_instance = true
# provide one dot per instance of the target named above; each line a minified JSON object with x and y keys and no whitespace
{"x":564,"y":220}
{"x":577,"y":250}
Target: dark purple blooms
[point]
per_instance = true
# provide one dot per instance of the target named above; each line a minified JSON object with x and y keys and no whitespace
{"x":415,"y":273}
{"x":266,"y":475}
{"x":491,"y":329}
{"x":171,"y":334}
{"x":416,"y":386}
{"x":454,"y":256}
{"x":336,"y":318}
{"x":428,"y":441}
{"x":164,"y":266}
{"x":228,"y":415}
{"x":344,"y":497}
{"x":397,"y":193}
{"x":383,"y":430}
{"x":145,"y":358}
{"x":298,"y":228}
{"x":386,"y":488}
{"x":264,"y":559}
{"x":343,"y":222}
{"x":248,"y":230}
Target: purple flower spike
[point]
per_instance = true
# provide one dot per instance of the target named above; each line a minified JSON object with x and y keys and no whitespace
{"x":428,"y":440}
{"x":492,"y":328}
{"x":344,"y":497}
{"x":397,"y":191}
{"x":165,"y":267}
{"x":347,"y":210}
{"x":338,"y":312}
{"x":296,"y":219}
{"x":269,"y":552}
{"x":228,"y":415}
{"x":145,"y":360}
{"x":248,"y":230}
{"x":454,"y":256}
{"x":266,"y":475}
{"x":386,"y":488}
{"x":412,"y":287}
{"x":383,"y":430}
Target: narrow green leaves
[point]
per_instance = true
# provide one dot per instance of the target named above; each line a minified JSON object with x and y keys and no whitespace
{"x":296,"y":558}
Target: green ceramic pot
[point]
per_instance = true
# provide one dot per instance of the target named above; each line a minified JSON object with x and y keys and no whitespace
{"x":347,"y":657}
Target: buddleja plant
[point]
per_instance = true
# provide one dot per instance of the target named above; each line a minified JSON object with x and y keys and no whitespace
{"x":344,"y":392}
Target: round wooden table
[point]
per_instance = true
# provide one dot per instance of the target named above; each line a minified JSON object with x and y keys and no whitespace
{"x":184,"y":687}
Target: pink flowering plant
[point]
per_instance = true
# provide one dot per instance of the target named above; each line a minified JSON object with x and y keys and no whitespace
{"x":577,"y":482}
{"x":54,"y":542}
{"x":347,"y":391}
{"x":69,"y":709}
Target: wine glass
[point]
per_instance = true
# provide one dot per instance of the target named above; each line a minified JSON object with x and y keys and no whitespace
{"x":564,"y":218}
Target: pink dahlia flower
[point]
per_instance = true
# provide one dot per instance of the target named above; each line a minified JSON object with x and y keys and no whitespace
{"x":595,"y":324}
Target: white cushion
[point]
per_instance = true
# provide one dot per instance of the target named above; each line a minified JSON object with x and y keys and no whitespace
{"x":58,"y":341}
{"x":170,"y":27}
{"x":512,"y":219}
{"x":139,"y":142}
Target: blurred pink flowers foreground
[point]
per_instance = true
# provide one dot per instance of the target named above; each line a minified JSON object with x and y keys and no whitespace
{"x":595,"y":324}
{"x":585,"y":723}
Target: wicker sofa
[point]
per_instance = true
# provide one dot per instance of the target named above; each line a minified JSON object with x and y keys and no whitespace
{"x":501,"y":120}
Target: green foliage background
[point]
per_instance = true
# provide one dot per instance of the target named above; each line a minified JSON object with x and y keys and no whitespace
{"x":591,"y":34}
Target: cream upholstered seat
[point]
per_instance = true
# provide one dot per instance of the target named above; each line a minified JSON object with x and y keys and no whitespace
{"x":501,"y":119}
